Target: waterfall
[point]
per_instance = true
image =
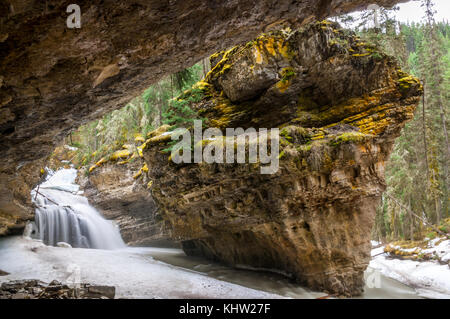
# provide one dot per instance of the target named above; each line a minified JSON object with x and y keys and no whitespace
{"x":62,"y":215}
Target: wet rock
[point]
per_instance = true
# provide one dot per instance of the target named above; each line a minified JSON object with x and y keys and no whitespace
{"x":34,"y":289}
{"x":100,"y":291}
{"x":63,"y":245}
{"x":3,"y":273}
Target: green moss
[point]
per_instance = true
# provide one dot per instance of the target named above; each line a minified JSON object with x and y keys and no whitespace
{"x":377,"y":56}
{"x":284,"y":133}
{"x":356,"y":137}
{"x":431,"y":235}
{"x":304,"y":148}
{"x":287,"y":74}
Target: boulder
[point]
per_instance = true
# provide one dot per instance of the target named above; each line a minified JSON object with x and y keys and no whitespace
{"x":339,"y":104}
{"x":63,"y":245}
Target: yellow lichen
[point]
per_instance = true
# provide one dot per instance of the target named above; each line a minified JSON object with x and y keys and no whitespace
{"x":286,"y":75}
{"x":120,"y":154}
{"x":258,"y":55}
{"x":123,"y":162}
{"x":139,"y":139}
{"x":140,"y":148}
{"x":218,"y":68}
{"x":162,"y":129}
{"x":408,"y":81}
{"x":361,"y":54}
{"x":164,"y":137}
{"x":138,"y":174}
{"x":98,"y":164}
{"x":318,"y":136}
{"x":282,"y":86}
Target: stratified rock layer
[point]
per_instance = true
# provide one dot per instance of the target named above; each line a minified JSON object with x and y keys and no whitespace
{"x":340,"y":104}
{"x":54,"y":79}
{"x":115,"y":190}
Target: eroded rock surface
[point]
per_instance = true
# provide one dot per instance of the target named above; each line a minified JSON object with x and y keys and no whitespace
{"x":120,"y":195}
{"x":340,"y":104}
{"x":53,"y":79}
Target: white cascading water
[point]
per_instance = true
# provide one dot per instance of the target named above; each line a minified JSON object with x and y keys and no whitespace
{"x":62,"y":215}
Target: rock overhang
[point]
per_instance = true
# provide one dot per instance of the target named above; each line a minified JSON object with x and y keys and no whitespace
{"x":313,"y":217}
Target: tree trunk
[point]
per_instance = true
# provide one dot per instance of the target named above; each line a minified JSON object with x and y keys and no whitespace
{"x":411,"y":221}
{"x":424,"y":133}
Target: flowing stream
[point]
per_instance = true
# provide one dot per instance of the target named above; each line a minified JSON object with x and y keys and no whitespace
{"x":64,"y":216}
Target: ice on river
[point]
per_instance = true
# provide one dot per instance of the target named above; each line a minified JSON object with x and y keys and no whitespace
{"x":161,"y":273}
{"x":430,"y":279}
{"x":132,"y":271}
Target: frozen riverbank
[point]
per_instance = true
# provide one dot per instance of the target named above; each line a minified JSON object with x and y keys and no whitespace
{"x":159,"y":273}
{"x":133,"y":272}
{"x":429,"y":278}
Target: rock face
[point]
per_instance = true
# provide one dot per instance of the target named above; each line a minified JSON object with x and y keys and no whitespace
{"x":35,"y":289}
{"x":114,"y":190}
{"x":339,"y":104}
{"x":53,"y":79}
{"x":15,"y":200}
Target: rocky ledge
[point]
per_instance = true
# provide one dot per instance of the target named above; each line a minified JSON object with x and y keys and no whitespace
{"x":35,"y":289}
{"x":339,"y":104}
{"x":54,"y":79}
{"x":119,"y":190}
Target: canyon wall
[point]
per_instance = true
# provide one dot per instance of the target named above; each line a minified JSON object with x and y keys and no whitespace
{"x":339,"y":104}
{"x":120,"y":196}
{"x":54,"y":79}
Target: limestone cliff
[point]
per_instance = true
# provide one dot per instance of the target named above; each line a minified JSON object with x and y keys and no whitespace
{"x":54,"y":79}
{"x":340,"y":104}
{"x":121,"y":195}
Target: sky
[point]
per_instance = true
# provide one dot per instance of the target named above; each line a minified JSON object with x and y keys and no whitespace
{"x":412,"y":12}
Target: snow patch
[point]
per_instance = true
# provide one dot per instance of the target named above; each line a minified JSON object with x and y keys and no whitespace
{"x":70,"y":148}
{"x":133,"y":272}
{"x":429,"y":278}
